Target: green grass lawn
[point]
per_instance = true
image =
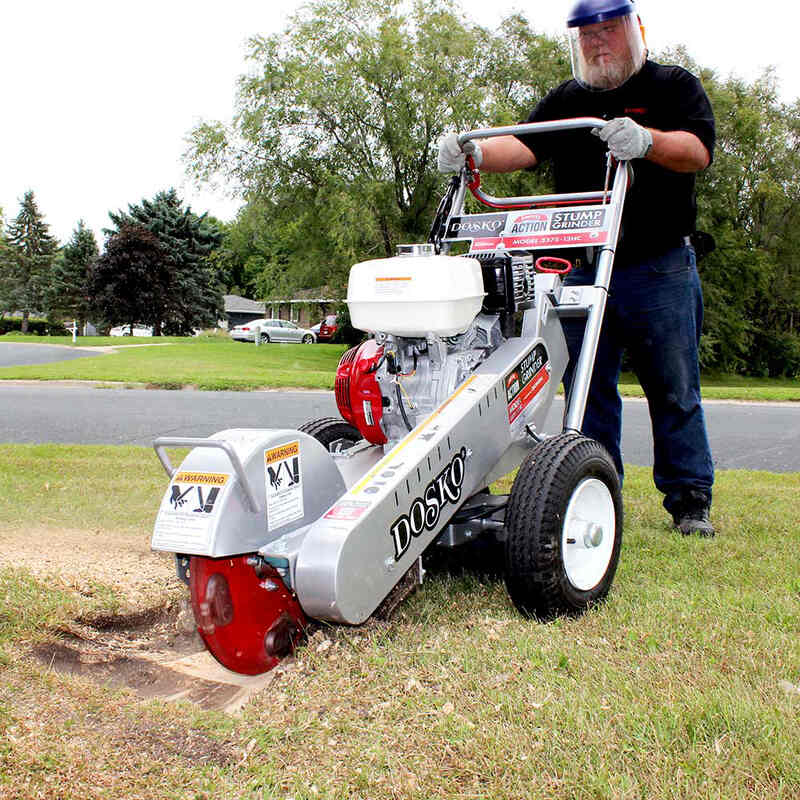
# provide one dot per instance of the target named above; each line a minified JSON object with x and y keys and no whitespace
{"x":215,"y":362}
{"x":203,"y":362}
{"x":684,"y":684}
{"x":718,"y":386}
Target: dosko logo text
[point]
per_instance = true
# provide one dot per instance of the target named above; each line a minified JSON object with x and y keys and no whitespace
{"x":482,"y":226}
{"x":426,"y":510}
{"x":469,"y":226}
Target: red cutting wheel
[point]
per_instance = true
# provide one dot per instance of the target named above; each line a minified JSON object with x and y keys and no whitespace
{"x":246,"y":616}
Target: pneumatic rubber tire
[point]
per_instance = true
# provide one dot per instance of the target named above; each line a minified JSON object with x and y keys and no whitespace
{"x":264,"y":338}
{"x":329,"y":429}
{"x":308,"y":339}
{"x":563,"y":527}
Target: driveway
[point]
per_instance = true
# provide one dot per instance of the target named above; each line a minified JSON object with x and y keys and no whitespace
{"x":18,"y":354}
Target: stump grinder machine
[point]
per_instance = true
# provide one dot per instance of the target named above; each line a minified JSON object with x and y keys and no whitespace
{"x":272,"y":528}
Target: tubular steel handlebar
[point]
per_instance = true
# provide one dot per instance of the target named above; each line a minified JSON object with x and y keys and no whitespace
{"x":576,"y":123}
{"x":473,"y":176}
{"x":217,"y":444}
{"x":594,"y":306}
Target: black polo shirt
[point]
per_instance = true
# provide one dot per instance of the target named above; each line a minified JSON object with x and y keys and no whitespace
{"x":661,"y":206}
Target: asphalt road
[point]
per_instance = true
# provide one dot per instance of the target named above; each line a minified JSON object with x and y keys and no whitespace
{"x":743,"y":435}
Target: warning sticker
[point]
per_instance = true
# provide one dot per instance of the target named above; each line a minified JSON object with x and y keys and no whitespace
{"x":188,"y":511}
{"x":392,"y":285}
{"x":526,"y":380}
{"x":201,"y":478}
{"x":283,"y":479}
{"x":347,"y":510}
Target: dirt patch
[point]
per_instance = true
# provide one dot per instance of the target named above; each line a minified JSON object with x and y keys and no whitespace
{"x":145,"y":677}
{"x":159,"y":743}
{"x":156,"y":653}
{"x":151,"y":645}
{"x":79,"y":560}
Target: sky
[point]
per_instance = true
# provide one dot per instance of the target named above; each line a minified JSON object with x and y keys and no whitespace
{"x":98,"y":97}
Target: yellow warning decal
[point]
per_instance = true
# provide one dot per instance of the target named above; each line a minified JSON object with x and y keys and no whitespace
{"x":282,"y":452}
{"x":383,"y":280}
{"x":201,"y":478}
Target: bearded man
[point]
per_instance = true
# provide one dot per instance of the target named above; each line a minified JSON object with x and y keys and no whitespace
{"x":661,"y":121}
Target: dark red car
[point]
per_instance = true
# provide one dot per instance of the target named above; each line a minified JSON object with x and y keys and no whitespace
{"x":327,"y":328}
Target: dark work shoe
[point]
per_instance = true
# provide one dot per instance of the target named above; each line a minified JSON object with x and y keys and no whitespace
{"x":693,"y":521}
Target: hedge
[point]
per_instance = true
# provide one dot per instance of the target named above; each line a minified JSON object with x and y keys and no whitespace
{"x":39,"y":327}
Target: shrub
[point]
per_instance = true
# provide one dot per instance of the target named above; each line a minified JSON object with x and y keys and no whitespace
{"x":345,"y":332}
{"x":38,"y":327}
{"x":776,"y":355}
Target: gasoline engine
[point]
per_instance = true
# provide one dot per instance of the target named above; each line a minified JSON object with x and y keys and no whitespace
{"x":388,"y":384}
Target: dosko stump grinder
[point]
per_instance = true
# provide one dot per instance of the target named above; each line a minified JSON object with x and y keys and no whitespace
{"x":273,"y":527}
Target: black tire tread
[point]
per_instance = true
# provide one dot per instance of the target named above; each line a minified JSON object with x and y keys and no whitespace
{"x":534,"y":574}
{"x":328,"y":429}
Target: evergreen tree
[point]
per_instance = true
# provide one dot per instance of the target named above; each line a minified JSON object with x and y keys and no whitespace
{"x":5,"y":283}
{"x":68,"y":289}
{"x":193,"y":295}
{"x":129,"y":282}
{"x":28,"y":260}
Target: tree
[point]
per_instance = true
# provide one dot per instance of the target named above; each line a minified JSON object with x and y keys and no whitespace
{"x":130,"y":281}
{"x":254,"y":256}
{"x":334,"y":142}
{"x":749,"y":199}
{"x":68,"y":288}
{"x":5,"y":278}
{"x":28,"y":258}
{"x":192,"y":295}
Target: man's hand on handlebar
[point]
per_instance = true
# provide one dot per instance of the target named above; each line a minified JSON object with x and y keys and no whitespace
{"x":626,"y":139}
{"x":451,"y":155}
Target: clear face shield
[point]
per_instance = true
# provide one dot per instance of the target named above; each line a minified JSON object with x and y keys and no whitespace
{"x":605,"y":54}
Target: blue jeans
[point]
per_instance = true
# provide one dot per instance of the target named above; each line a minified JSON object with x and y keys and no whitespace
{"x":655,"y":312}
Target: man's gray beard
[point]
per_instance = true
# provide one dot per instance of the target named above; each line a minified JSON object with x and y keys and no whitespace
{"x":610,"y":76}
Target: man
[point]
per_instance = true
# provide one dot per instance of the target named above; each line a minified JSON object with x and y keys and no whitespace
{"x":661,"y":121}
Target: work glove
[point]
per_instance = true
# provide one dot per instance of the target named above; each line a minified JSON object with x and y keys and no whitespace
{"x":625,"y":138}
{"x":452,"y":156}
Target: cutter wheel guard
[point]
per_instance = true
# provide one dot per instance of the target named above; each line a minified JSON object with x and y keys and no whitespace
{"x":272,"y":528}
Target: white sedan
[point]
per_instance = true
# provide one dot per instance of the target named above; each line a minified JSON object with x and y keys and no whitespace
{"x":125,"y":330}
{"x":272,"y":330}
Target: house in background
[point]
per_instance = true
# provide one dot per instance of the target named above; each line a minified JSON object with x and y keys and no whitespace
{"x":306,"y":308}
{"x":239,"y":310}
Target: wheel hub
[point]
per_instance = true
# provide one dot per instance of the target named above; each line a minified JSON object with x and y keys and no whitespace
{"x":586,"y":549}
{"x":593,"y":536}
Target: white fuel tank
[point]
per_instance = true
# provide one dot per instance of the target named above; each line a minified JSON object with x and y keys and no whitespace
{"x":415,"y":295}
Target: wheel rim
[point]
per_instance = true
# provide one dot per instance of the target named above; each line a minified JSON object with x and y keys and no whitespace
{"x":587,"y":542}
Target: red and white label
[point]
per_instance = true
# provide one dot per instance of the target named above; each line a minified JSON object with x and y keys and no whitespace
{"x":528,"y":392}
{"x":566,"y":226}
{"x":581,"y":239}
{"x":347,"y":510}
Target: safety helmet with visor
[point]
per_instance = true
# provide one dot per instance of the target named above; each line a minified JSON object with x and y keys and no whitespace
{"x":606,"y":42}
